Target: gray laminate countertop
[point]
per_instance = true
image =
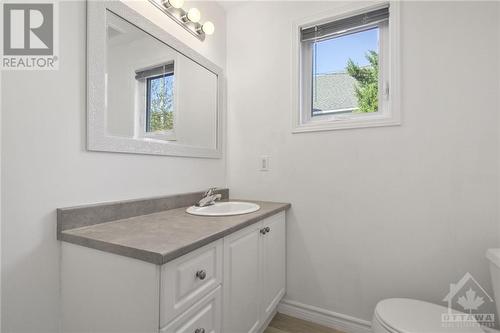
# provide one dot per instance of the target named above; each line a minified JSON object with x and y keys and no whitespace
{"x":163,"y":236}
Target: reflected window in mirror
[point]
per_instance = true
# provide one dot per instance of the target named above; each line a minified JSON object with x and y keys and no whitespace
{"x":160,"y":103}
{"x":157,"y":84}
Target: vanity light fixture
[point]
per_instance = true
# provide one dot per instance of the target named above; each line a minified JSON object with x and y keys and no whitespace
{"x":188,"y":19}
{"x":173,"y":3}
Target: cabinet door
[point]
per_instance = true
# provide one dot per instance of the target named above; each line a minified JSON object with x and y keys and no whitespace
{"x":242,"y":285}
{"x":182,"y":284}
{"x":203,"y":317}
{"x":273,"y":263}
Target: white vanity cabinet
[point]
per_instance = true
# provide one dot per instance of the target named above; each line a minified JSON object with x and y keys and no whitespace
{"x":273,"y":264}
{"x":203,"y":317}
{"x":254,"y":274}
{"x":242,"y":280}
{"x":185,"y":280}
{"x":231,"y":285}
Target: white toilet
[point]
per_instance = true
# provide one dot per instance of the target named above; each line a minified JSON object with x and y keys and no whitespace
{"x":403,"y":315}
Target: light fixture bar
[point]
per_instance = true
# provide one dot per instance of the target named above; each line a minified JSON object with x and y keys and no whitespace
{"x":179,"y":15}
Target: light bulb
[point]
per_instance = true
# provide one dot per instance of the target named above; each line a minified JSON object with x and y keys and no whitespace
{"x":208,"y":28}
{"x":193,"y":15}
{"x":176,"y":3}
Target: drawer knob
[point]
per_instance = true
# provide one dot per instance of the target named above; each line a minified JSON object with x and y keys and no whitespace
{"x":201,"y":275}
{"x":268,"y":229}
{"x":263,"y":231}
{"x":199,"y":330}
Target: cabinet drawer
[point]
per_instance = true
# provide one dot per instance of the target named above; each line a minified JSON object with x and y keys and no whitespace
{"x":189,"y":278}
{"x":204,"y":317}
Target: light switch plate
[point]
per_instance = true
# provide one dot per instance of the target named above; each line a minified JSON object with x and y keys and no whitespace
{"x":264,"y":163}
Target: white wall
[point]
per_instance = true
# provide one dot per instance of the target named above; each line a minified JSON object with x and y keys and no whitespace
{"x":45,"y":166}
{"x":382,"y":212}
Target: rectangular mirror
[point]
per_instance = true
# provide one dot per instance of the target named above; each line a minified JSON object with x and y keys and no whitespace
{"x":147,"y":92}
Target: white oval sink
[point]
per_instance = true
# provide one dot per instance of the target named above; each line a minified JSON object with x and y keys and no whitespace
{"x":224,"y":209}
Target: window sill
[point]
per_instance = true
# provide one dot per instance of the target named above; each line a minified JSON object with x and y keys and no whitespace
{"x":340,"y":124}
{"x":168,"y":135}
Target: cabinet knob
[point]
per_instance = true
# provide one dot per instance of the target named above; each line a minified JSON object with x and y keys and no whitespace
{"x":199,"y":330}
{"x":263,"y":231}
{"x":268,"y":229}
{"x":201,"y":274}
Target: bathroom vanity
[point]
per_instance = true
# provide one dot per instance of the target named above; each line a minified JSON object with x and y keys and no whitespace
{"x":149,"y":266}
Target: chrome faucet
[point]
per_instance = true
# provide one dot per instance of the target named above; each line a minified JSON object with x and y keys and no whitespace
{"x":209,"y":198}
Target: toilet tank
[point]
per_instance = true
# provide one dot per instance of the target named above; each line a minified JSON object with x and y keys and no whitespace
{"x":494,"y":257}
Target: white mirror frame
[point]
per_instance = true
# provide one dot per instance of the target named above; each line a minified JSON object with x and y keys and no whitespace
{"x":97,"y":138}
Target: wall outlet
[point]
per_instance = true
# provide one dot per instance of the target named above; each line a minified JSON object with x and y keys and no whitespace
{"x":264,"y":163}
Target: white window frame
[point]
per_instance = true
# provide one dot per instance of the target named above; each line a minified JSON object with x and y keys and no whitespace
{"x":389,"y":113}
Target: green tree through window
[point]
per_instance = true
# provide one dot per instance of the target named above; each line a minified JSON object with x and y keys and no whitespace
{"x":367,"y":82}
{"x":161,"y":103}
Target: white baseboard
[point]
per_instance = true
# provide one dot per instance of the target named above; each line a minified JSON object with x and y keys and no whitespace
{"x":268,"y":320}
{"x":338,"y":321}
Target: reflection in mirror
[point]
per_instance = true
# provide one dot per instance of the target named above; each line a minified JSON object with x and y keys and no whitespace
{"x":159,"y":84}
{"x":155,"y":93}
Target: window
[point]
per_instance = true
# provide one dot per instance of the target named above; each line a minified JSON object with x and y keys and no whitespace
{"x":345,"y":66}
{"x":159,"y":114}
{"x":160,"y":103}
{"x":345,"y":74}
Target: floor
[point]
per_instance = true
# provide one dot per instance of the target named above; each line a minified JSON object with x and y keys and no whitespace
{"x":285,"y":324}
